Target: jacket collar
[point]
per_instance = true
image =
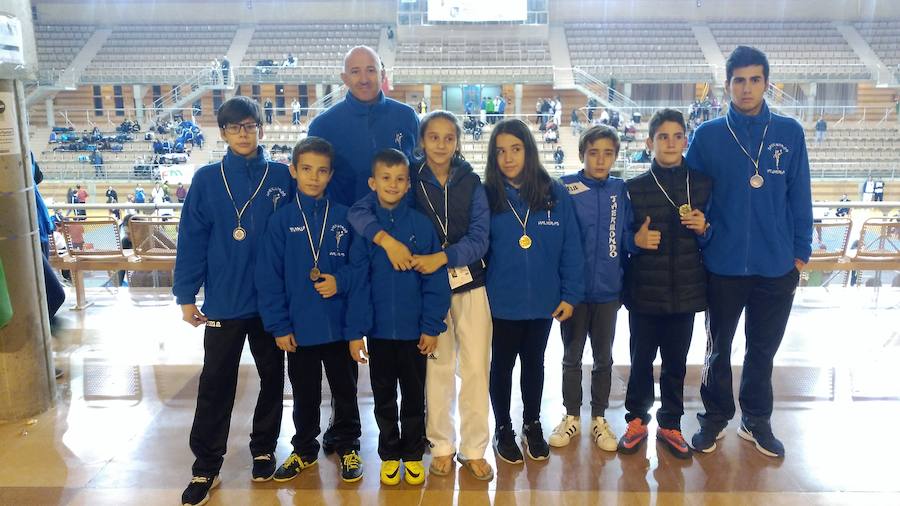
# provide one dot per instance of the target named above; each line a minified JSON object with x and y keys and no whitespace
{"x":667,"y":172}
{"x":232,"y":160}
{"x":386,"y":216}
{"x":362,"y":108}
{"x":310,"y":204}
{"x":593,"y":183}
{"x":459,"y":168}
{"x":740,"y":118}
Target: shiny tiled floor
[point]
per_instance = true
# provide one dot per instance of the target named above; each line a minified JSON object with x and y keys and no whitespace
{"x":124,"y":440}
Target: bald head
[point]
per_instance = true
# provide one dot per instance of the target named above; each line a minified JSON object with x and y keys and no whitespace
{"x":362,"y":73}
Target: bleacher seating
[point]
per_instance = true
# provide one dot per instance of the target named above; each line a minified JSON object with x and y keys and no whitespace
{"x":797,"y":50}
{"x":463,"y":60}
{"x":166,"y":53}
{"x":319,"y":49}
{"x":57,"y":45}
{"x":632,"y":51}
{"x":884,"y":38}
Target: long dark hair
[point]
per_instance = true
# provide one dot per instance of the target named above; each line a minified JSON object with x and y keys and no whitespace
{"x":536,"y":182}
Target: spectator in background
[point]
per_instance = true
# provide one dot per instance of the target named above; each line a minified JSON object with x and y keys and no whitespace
{"x":97,"y":162}
{"x":868,"y":189}
{"x":878,"y":191}
{"x":557,"y":111}
{"x":268,"y":108}
{"x":71,"y":198}
{"x":226,"y":65}
{"x":111,"y":195}
{"x":139,"y":197}
{"x":295,"y":112}
{"x":821,"y":128}
{"x":180,"y":193}
{"x":81,"y":196}
{"x":558,"y":157}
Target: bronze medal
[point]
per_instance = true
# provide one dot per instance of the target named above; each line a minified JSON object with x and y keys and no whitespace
{"x":524,"y":241}
{"x":756,"y":181}
{"x":315,"y":274}
{"x":239,"y":234}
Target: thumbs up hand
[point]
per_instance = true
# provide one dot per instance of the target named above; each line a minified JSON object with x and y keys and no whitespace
{"x":646,"y":238}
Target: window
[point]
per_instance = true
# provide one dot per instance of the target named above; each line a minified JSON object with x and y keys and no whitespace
{"x":98,"y":101}
{"x":119,"y":100}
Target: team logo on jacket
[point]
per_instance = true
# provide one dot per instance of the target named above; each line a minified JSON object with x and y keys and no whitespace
{"x":275,"y":193}
{"x":399,"y":140}
{"x":777,"y":149}
{"x":299,"y":229}
{"x":339,"y":233}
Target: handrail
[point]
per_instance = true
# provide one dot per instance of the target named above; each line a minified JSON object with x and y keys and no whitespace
{"x":603,"y":91}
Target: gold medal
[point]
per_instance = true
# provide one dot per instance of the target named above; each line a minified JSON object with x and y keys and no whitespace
{"x":684,"y":210}
{"x":239,"y":234}
{"x":315,"y":274}
{"x":524,"y":241}
{"x":756,"y":181}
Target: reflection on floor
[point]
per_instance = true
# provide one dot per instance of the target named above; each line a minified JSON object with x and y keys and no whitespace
{"x":118,"y":434}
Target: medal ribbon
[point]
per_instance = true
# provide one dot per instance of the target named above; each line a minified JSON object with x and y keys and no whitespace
{"x":762,"y":142}
{"x":230,"y":196}
{"x":315,"y":251}
{"x":523,"y":223}
{"x":687,"y":179}
{"x":444,"y":225}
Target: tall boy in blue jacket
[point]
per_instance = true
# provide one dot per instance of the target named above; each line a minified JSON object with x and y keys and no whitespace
{"x":222,"y":222}
{"x":402,"y":313}
{"x":762,"y":210}
{"x":303,"y":277}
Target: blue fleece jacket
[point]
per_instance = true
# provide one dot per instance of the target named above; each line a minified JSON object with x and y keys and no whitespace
{"x":467,"y":250}
{"x":288,"y":301}
{"x":758,"y":231}
{"x":603,"y":210}
{"x":357,"y":131}
{"x":527,"y":284}
{"x":207,"y":254}
{"x":389,"y":304}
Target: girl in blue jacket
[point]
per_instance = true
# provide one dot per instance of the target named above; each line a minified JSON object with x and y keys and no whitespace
{"x":451,"y":195}
{"x":535,"y":271}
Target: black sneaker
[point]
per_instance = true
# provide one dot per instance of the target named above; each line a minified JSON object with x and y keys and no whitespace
{"x":292,"y":467}
{"x":197,"y":491}
{"x":263,"y":467}
{"x":704,"y":440}
{"x":505,"y":445}
{"x":762,"y":436}
{"x":536,"y":446}
{"x":351,"y":467}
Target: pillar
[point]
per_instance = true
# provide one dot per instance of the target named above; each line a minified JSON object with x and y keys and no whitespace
{"x":517,"y":94}
{"x":27,"y":384}
{"x":51,"y":113}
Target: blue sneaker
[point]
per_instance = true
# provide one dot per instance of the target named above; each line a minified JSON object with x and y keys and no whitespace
{"x":761,"y":435}
{"x":704,"y":440}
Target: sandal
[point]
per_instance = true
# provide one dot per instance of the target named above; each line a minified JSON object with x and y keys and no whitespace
{"x":467,"y":463}
{"x":441,"y":471}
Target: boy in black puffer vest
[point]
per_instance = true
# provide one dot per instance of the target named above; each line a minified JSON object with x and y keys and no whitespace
{"x":665,"y":281}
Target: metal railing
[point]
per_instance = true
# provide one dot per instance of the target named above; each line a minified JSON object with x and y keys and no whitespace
{"x":602,"y":91}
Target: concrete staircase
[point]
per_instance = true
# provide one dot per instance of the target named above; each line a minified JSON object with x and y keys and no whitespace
{"x":880,"y":72}
{"x":68,"y":79}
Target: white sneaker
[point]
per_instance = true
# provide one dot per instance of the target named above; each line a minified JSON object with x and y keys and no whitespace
{"x":564,"y":432}
{"x":605,"y":438}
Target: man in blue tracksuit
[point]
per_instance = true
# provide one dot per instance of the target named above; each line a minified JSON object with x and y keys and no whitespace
{"x":603,"y":209}
{"x":762,"y":214}
{"x":222,"y":221}
{"x":401,"y":313}
{"x":364,"y":123}
{"x":303,"y":277}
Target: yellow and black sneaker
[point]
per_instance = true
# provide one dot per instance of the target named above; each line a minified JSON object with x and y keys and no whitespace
{"x":292,"y":467}
{"x":414,"y":472}
{"x":390,"y":472}
{"x":351,"y":467}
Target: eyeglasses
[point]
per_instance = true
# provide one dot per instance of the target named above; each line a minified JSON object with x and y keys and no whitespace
{"x":235,"y":128}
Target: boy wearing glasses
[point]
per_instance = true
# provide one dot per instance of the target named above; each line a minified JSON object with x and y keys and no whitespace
{"x":222,"y":224}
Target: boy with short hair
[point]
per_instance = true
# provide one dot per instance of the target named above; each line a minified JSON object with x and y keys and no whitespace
{"x":402,"y":313}
{"x":222,"y":222}
{"x":603,"y":210}
{"x":303,"y":277}
{"x":665,"y":281}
